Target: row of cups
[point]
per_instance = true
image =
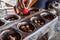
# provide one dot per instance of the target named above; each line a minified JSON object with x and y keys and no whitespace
{"x":13,"y":17}
{"x":26,"y":27}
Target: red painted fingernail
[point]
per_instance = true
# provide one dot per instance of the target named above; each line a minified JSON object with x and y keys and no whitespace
{"x":25,"y":11}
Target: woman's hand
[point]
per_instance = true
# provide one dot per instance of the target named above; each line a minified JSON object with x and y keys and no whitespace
{"x":22,"y":6}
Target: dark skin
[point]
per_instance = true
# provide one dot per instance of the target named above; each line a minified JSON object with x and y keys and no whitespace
{"x":21,"y":4}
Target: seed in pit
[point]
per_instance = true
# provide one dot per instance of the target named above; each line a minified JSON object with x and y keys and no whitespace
{"x":39,"y":21}
{"x":36,"y":21}
{"x":12,"y":38}
{"x":30,"y":30}
{"x":22,"y":27}
{"x":27,"y":26}
{"x":42,"y":23}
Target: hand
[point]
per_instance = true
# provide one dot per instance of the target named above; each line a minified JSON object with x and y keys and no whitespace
{"x":21,"y":5}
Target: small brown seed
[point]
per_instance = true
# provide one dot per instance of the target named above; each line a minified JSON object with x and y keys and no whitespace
{"x":27,"y":26}
{"x":12,"y":18}
{"x":9,"y":19}
{"x":22,"y":27}
{"x":30,"y":30}
{"x":42,"y":23}
{"x":36,"y":21}
{"x":39,"y":21}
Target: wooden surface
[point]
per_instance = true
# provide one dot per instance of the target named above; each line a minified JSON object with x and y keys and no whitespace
{"x":33,"y":1}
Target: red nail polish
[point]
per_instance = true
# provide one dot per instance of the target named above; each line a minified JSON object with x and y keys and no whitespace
{"x":25,"y":11}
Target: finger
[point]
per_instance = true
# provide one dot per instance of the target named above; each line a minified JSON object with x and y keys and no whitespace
{"x":22,"y":2}
{"x":19,"y":4}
